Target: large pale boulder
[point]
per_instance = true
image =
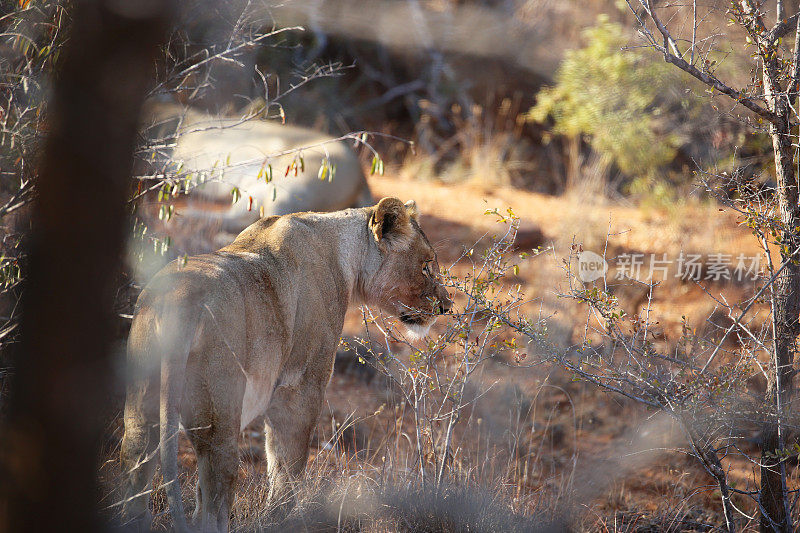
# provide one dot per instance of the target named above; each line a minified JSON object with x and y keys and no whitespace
{"x":223,"y":154}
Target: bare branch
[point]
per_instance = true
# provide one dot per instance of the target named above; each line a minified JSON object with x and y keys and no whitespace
{"x":795,"y":73}
{"x":781,"y":28}
{"x":694,"y":29}
{"x":669,"y":42}
{"x":737,"y":322}
{"x":226,"y":54}
{"x":748,"y":8}
{"x":712,"y":81}
{"x":20,"y":198}
{"x":709,"y":79}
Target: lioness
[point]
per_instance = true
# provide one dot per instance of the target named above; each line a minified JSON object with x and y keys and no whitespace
{"x":252,"y":329}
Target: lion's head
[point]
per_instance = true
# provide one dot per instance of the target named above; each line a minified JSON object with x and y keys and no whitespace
{"x":406,"y":283}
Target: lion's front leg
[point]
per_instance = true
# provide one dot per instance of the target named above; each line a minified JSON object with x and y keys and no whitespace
{"x":291,"y":417}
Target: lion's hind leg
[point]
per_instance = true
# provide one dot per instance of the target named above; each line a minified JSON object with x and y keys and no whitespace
{"x":217,"y":469}
{"x":138,"y":456}
{"x":291,"y":417}
{"x":212,"y":423}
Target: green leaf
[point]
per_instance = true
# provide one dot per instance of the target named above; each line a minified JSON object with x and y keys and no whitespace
{"x":323,"y":170}
{"x":165,"y":212}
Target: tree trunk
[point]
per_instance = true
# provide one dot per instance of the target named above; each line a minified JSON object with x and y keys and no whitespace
{"x":50,"y":442}
{"x":786,"y":306}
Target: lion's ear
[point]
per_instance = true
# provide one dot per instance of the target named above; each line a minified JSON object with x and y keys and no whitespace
{"x":411,"y":207}
{"x":391,"y":222}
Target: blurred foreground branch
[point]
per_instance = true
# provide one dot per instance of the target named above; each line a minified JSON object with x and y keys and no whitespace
{"x":50,"y":441}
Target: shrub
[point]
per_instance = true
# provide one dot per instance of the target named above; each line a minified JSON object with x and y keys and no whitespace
{"x":616,"y":100}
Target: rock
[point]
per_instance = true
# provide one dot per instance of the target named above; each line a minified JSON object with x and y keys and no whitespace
{"x":227,"y":153}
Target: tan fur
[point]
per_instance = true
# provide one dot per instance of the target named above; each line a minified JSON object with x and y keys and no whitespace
{"x":252,"y":329}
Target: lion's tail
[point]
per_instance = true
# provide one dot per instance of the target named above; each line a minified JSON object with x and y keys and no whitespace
{"x":177,"y":332}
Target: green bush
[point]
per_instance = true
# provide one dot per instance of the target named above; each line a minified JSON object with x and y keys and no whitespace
{"x":617,"y":100}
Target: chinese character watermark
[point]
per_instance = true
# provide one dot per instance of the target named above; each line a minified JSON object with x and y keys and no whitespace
{"x":717,"y":266}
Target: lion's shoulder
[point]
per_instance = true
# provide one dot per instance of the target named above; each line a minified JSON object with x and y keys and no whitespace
{"x":294,"y":234}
